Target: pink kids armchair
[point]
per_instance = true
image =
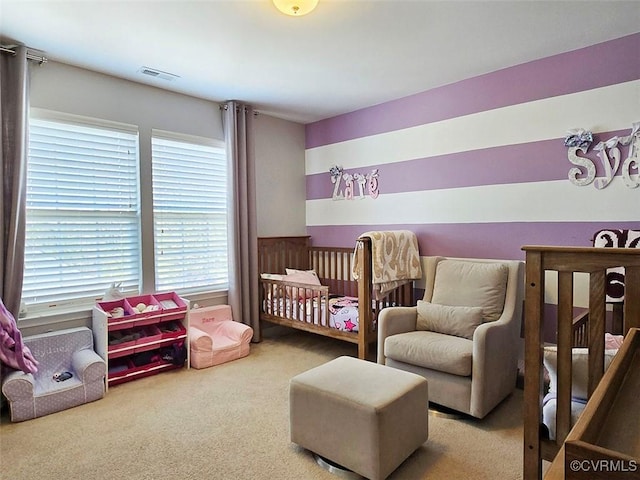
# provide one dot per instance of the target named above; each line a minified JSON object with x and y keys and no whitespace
{"x":215,"y":338}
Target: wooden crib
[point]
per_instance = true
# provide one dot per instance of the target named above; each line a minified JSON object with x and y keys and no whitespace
{"x":333,"y":266}
{"x":602,"y":404}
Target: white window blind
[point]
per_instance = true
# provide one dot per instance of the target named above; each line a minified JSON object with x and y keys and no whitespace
{"x":82,"y":222}
{"x":189,"y":214}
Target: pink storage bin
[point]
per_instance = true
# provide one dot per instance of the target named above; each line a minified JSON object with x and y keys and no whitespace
{"x":140,"y":317}
{"x":172,"y":305}
{"x":124,"y":321}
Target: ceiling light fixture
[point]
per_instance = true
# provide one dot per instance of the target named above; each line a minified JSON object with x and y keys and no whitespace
{"x":295,"y":8}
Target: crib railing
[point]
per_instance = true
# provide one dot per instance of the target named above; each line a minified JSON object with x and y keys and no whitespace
{"x":334,"y":266}
{"x":581,"y":330}
{"x":566,"y":261}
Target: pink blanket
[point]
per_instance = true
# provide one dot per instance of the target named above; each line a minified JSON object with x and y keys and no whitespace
{"x":12,"y":351}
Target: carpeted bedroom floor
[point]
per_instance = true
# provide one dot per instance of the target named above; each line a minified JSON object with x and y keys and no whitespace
{"x":231,"y":422}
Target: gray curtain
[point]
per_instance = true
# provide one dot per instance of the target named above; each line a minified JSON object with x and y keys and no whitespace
{"x":237,"y":121}
{"x":14,"y":111}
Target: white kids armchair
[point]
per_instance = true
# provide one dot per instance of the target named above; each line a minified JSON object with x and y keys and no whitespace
{"x":463,"y":337}
{"x":70,"y":373}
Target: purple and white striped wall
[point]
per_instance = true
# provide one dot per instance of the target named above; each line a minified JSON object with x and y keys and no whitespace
{"x":596,"y":66}
{"x":478,"y":168}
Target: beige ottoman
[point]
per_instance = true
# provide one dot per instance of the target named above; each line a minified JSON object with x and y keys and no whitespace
{"x":365,"y":417}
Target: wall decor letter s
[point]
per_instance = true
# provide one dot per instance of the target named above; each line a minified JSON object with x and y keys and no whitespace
{"x":580,"y":140}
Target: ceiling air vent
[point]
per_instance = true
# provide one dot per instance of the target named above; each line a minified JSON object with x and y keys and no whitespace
{"x":152,"y":72}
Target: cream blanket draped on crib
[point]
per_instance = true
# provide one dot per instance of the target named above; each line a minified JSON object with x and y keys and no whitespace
{"x":395,"y":260}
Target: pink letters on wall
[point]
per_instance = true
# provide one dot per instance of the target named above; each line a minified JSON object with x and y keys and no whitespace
{"x":356,"y":185}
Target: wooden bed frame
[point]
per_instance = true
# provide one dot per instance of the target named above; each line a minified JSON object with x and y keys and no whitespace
{"x":333,"y":266}
{"x":566,"y":261}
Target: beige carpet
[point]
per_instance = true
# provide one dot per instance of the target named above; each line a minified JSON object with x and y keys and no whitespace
{"x":231,"y":422}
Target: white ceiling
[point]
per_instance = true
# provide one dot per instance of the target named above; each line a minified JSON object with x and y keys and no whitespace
{"x":346,"y":55}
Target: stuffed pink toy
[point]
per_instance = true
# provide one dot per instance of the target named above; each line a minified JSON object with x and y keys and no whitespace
{"x":12,"y":351}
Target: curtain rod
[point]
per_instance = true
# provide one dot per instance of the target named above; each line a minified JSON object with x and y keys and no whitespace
{"x":30,"y":56}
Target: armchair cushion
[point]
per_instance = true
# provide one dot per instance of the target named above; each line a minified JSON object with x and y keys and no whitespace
{"x":431,"y":350}
{"x":458,"y":321}
{"x":471,"y":284}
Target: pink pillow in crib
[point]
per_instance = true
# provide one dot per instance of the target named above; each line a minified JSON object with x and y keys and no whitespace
{"x":612,"y":341}
{"x":300,"y":276}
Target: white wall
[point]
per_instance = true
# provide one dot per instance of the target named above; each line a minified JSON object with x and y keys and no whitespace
{"x":61,"y":87}
{"x":279,"y":150}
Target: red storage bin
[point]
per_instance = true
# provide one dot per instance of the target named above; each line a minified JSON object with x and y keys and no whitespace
{"x":119,"y":368}
{"x":172,"y":330}
{"x":121,"y":341}
{"x":151,"y":334}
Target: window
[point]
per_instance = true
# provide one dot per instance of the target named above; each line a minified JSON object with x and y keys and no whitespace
{"x":189,"y":213}
{"x":82,"y":215}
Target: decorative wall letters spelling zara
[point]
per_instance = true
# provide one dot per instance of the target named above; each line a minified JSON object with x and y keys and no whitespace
{"x":609,"y":154}
{"x":370,"y":181}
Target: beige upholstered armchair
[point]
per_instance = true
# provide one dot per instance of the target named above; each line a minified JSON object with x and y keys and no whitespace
{"x":464,"y":336}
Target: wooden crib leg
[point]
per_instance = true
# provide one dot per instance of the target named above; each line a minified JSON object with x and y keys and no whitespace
{"x":363,"y":349}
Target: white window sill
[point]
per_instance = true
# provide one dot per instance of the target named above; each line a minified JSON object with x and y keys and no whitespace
{"x":77,"y":316}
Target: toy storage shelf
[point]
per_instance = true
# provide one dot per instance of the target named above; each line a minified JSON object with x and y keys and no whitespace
{"x":138,"y":343}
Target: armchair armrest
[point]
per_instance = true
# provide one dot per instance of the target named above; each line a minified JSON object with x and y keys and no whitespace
{"x":89,"y":366}
{"x":195,"y":333}
{"x":199,"y":339}
{"x":17,"y":384}
{"x":235,"y":330}
{"x":392,"y":321}
{"x":489,"y":341}
{"x":495,"y":363}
